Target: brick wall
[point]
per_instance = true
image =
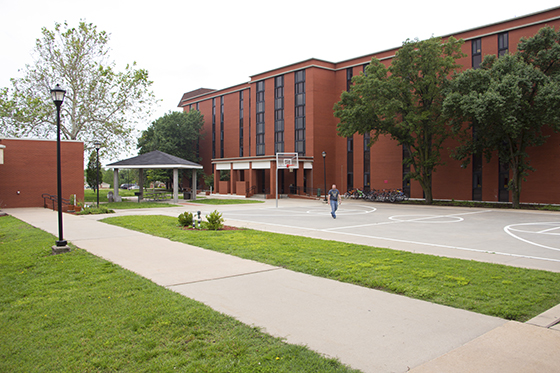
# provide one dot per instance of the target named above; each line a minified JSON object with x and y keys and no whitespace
{"x":29,"y":170}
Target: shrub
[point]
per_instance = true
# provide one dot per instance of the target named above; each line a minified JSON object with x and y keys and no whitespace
{"x":215,"y":220}
{"x":186,"y":219}
{"x":95,"y":211}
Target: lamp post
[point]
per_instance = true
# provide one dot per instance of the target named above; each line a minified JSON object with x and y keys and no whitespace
{"x":58,"y":97}
{"x":325,"y":173}
{"x":97,"y":146}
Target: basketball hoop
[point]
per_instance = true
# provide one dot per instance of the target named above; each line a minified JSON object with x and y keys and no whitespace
{"x":285,"y":161}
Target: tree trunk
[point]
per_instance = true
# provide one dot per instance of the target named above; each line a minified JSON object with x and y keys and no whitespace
{"x":427,"y":187}
{"x":516,"y":190}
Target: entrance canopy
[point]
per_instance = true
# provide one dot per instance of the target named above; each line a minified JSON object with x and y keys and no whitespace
{"x":158,"y":160}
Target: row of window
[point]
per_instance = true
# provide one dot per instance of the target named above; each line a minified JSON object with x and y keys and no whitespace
{"x":299,"y":121}
{"x":476,"y":48}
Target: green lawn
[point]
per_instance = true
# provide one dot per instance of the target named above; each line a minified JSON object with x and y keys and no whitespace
{"x":497,"y":290}
{"x":75,"y":312}
{"x":90,"y":195}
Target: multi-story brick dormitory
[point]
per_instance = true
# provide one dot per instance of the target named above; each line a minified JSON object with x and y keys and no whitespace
{"x":290,"y":109}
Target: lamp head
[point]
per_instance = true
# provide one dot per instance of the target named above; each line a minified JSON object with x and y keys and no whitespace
{"x":324,"y":154}
{"x":57,"y":94}
{"x":97,"y":145}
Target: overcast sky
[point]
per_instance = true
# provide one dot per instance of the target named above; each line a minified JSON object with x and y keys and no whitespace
{"x":190,"y":44}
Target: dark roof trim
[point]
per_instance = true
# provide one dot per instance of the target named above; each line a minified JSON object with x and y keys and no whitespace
{"x":155,"y":159}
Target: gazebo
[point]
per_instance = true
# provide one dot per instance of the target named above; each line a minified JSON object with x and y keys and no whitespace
{"x":155,"y":159}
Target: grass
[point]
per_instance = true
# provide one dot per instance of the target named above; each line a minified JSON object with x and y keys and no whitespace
{"x":90,"y":195}
{"x":491,"y":289}
{"x":95,"y":210}
{"x":136,"y":205}
{"x":75,"y":312}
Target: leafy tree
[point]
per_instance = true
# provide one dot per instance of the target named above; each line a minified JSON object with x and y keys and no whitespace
{"x":404,"y":101}
{"x":128,"y":176}
{"x":107,"y":176}
{"x":91,"y":171}
{"x":507,"y":103}
{"x":100,"y":103}
{"x":175,"y":133}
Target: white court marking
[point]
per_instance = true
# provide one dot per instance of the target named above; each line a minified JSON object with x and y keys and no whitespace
{"x":550,"y":229}
{"x":547,"y":229}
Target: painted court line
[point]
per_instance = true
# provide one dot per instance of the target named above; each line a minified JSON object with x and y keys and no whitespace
{"x":509,"y":230}
{"x":407,"y":241}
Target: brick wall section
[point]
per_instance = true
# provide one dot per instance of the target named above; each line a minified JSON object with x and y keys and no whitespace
{"x":29,"y":170}
{"x":325,"y":81}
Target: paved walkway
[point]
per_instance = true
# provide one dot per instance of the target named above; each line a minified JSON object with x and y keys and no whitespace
{"x":367,"y":329}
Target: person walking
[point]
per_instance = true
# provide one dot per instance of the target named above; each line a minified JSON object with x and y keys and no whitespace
{"x":334,"y":200}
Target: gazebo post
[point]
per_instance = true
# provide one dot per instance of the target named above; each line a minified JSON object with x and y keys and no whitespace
{"x":175,"y":185}
{"x":140,"y":184}
{"x":116,"y":196}
{"x":193,"y":194}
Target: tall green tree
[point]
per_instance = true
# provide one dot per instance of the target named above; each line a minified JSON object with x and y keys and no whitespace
{"x":404,"y":101}
{"x":507,"y":104}
{"x":91,"y":171}
{"x":100,"y":104}
{"x":175,"y":133}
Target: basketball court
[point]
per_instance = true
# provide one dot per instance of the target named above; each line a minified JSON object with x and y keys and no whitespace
{"x":521,"y":238}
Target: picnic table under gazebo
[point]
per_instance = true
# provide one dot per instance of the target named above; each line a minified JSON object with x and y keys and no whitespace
{"x":155,"y":160}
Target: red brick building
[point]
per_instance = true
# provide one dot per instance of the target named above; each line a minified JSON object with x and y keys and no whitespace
{"x":290,"y":109}
{"x":29,"y":170}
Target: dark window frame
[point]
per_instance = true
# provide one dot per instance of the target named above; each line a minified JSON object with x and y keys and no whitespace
{"x":503,"y":43}
{"x":476,"y":50}
{"x":299,"y":111}
{"x":260,"y":111}
{"x":279,"y":114}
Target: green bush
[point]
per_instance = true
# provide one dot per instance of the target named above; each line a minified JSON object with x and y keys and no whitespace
{"x":95,"y":211}
{"x":186,"y":219}
{"x":215,"y":221}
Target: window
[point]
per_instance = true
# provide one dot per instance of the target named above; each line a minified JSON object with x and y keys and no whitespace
{"x":260,"y":118}
{"x":367,"y":155}
{"x":476,"y":171}
{"x":241,"y":123}
{"x":299,"y":112}
{"x":221,"y":126}
{"x":503,"y":180}
{"x":350,"y":162}
{"x":213,"y":128}
{"x":279,"y":114}
{"x":349,"y":75}
{"x":349,"y":141}
{"x":503,"y":43}
{"x":405,"y":170}
{"x":476,"y":53}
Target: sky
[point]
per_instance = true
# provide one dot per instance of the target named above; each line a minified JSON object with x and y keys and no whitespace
{"x":187,"y":44}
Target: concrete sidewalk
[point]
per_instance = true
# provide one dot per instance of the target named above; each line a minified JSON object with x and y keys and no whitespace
{"x":367,"y":329}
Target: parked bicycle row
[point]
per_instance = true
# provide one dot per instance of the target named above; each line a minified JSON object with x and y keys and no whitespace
{"x":374,"y":195}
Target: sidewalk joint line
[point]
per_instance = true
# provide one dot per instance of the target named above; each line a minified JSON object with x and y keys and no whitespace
{"x":225,"y":277}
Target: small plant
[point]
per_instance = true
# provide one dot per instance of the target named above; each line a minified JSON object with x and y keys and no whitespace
{"x":186,"y":219}
{"x":215,"y":221}
{"x":95,"y":211}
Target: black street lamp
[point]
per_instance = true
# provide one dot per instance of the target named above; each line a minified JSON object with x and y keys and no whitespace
{"x":58,"y":97}
{"x":325,"y":173}
{"x":97,"y":146}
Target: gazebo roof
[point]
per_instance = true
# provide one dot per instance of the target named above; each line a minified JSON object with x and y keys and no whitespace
{"x":155,"y":159}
